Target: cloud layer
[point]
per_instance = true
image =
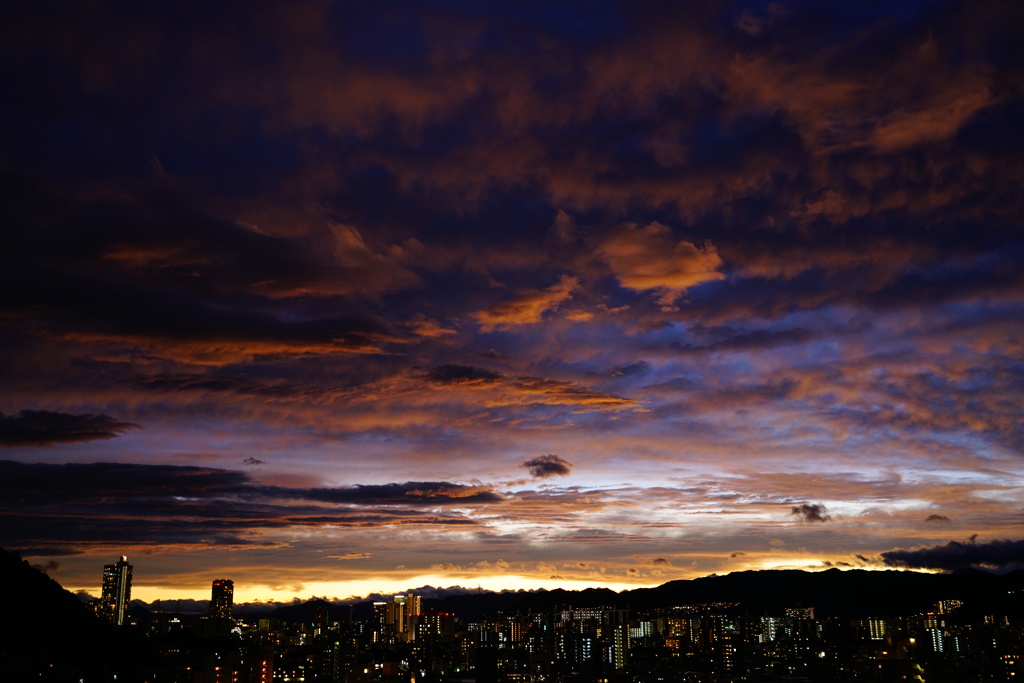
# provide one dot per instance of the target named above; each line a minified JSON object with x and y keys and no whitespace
{"x":291,"y":282}
{"x":45,"y":428}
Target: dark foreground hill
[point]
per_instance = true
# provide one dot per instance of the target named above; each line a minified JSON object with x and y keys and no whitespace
{"x":50,"y":637}
{"x":50,"y":628}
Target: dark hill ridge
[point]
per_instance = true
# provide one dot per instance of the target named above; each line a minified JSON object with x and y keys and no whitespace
{"x":53,"y":630}
{"x":833,"y":593}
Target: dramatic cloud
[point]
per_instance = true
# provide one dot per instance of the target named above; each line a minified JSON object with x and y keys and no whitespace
{"x":548,"y":466}
{"x":45,"y":427}
{"x":527,"y":308}
{"x":811,"y":512}
{"x":647,"y":258}
{"x":436,"y":493}
{"x":752,"y":269}
{"x":999,"y":555}
{"x":87,"y":505}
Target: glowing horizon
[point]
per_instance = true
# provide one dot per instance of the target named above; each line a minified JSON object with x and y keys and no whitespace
{"x":359,"y":589}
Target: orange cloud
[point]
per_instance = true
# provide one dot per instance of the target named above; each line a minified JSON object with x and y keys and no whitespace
{"x":648,"y":258}
{"x":222,"y":351}
{"x":556,"y":392}
{"x":527,"y":308}
{"x":423,"y":326}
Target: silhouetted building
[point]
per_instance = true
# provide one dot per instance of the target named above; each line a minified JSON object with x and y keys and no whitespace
{"x":222,"y":598}
{"x":117,"y":591}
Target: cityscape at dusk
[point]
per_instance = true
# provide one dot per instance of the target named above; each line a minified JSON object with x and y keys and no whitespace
{"x":343,"y":298}
{"x":769,"y":626}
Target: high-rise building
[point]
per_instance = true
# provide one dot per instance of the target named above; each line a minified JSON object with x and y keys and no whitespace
{"x":381,"y":626}
{"x":618,"y":622}
{"x":222,"y":599}
{"x":117,"y":591}
{"x":413,"y":605}
{"x":399,"y":615}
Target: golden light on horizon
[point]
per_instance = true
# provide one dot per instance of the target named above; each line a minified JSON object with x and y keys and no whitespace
{"x":357,"y":589}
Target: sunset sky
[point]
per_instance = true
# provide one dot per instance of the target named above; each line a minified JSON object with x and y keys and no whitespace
{"x":330,"y":298}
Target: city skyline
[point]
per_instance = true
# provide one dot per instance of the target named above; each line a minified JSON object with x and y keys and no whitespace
{"x":861,"y":591}
{"x":334,"y":299}
{"x":751,"y":626}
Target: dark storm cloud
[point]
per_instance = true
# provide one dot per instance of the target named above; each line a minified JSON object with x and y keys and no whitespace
{"x":548,"y":466}
{"x":52,"y":484}
{"x":811,"y":512}
{"x":999,"y":555}
{"x":45,"y":428}
{"x":68,"y":532}
{"x":462,"y":374}
{"x":66,"y":507}
{"x":79,"y":531}
{"x":432,"y":492}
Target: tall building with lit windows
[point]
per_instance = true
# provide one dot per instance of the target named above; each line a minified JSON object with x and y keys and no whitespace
{"x":117,"y":591}
{"x":413,"y":610}
{"x":222,"y":599}
{"x":399,"y":616}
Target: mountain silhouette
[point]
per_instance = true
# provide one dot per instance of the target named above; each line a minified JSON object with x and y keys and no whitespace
{"x":853,"y":593}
